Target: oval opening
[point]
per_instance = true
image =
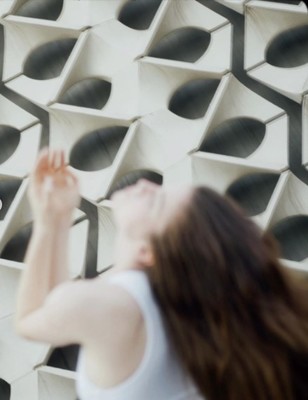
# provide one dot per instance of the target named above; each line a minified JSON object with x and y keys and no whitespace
{"x":8,"y":190}
{"x":192,"y":100}
{"x":89,"y":93}
{"x":139,"y":14}
{"x":292,"y":235}
{"x":97,"y":149}
{"x":48,"y":60}
{"x":289,"y":49}
{"x":184,"y":44}
{"x":253,"y":192}
{"x":41,"y":9}
{"x":5,"y":390}
{"x":64,"y":357}
{"x":9,"y":140}
{"x":132,"y":177}
{"x":238,"y":137}
{"x":16,"y":247}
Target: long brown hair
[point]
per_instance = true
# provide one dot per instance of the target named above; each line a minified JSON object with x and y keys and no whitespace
{"x":238,"y":322}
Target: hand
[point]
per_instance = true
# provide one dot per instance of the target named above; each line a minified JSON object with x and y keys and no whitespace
{"x":53,"y":190}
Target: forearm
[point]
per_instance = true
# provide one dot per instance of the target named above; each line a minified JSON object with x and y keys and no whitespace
{"x":46,"y":264}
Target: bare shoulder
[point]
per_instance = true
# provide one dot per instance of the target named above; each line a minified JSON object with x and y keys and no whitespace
{"x":83,"y":311}
{"x":94,"y":298}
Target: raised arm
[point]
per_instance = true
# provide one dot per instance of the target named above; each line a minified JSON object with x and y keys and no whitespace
{"x":53,"y":195}
{"x":50,"y":307}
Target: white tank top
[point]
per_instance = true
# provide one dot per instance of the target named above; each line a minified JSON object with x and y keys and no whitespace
{"x":160,"y":375}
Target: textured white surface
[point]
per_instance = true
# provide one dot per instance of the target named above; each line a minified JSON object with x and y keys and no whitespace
{"x":264,"y":21}
{"x":168,"y":121}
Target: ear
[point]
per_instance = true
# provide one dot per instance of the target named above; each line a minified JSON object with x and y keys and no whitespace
{"x":145,"y":255}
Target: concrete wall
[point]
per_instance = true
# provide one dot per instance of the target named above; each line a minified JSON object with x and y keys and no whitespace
{"x":204,"y":92}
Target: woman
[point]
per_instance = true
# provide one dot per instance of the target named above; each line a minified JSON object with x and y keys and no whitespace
{"x":196,"y":305}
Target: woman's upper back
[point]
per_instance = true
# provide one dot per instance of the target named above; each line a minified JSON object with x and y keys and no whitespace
{"x":159,"y":374}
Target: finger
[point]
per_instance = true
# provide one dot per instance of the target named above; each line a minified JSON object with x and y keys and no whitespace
{"x":62,"y":159}
{"x":57,"y":162}
{"x":71,"y":178}
{"x":42,"y":162}
{"x":64,"y":176}
{"x":52,"y":159}
{"x":42,"y":159}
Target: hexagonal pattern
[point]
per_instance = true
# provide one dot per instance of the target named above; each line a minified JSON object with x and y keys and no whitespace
{"x":187,"y":91}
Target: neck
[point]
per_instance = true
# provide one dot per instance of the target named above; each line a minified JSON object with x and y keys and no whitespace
{"x":126,"y":253}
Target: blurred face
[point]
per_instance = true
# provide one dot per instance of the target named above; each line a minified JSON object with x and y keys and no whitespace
{"x":146,"y":208}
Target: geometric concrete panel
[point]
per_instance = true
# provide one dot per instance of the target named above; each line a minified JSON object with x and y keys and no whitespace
{"x":246,"y":113}
{"x":77,"y":249}
{"x":175,"y":91}
{"x":18,"y":213}
{"x":15,"y":116}
{"x":85,"y":13}
{"x":254,"y":186}
{"x":85,"y":67}
{"x":133,"y":28}
{"x":292,"y":200}
{"x":149,"y":144}
{"x":162,"y":82}
{"x":289,"y":220}
{"x":5,"y":7}
{"x":9,"y":278}
{"x":45,"y":383}
{"x":305,"y":131}
{"x":25,"y":69}
{"x":81,"y":134}
{"x":182,"y":14}
{"x":18,"y":356}
{"x":269,"y":27}
{"x":106,"y":236}
{"x":17,"y":165}
{"x":236,"y":5}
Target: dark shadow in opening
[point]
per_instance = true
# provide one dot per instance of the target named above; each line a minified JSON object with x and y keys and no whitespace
{"x":41,"y":9}
{"x":8,"y":190}
{"x":184,"y":44}
{"x":16,"y":247}
{"x":289,"y":49}
{"x":5,"y":390}
{"x":253,"y":192}
{"x":64,"y":357}
{"x":48,"y":60}
{"x":9,"y":140}
{"x":293,"y":109}
{"x":132,"y":177}
{"x":192,"y":100}
{"x":89,"y":93}
{"x":97,"y":149}
{"x":139,"y":14}
{"x":1,"y":52}
{"x":238,"y":137}
{"x":292,"y":235}
{"x":91,"y":211}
